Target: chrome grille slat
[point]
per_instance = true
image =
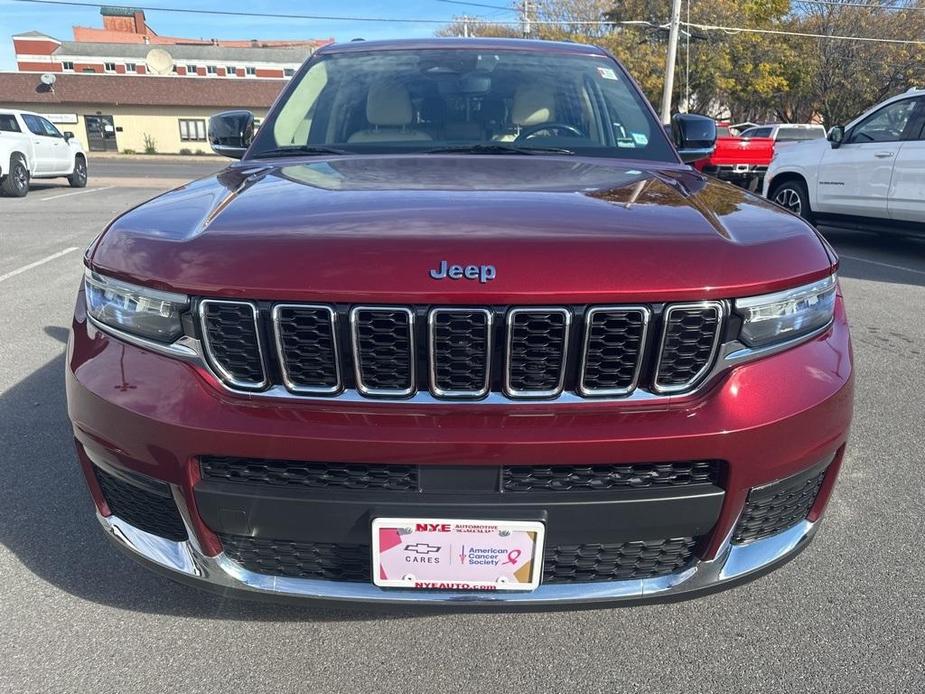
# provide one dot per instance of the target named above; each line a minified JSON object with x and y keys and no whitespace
{"x":306,"y":346}
{"x":688,"y":346}
{"x":537,"y":352}
{"x":613,"y":349}
{"x":460,"y":344}
{"x":231,"y":339}
{"x":383,"y":350}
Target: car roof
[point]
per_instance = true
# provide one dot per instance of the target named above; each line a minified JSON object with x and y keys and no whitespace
{"x":466,"y":43}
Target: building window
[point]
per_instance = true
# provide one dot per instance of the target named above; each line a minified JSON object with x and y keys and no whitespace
{"x":193,"y":129}
{"x":250,"y":71}
{"x":190,"y":69}
{"x":109,"y":67}
{"x":131,"y":67}
{"x":231,"y":70}
{"x":288,"y":72}
{"x":211,"y":69}
{"x":68,"y":66}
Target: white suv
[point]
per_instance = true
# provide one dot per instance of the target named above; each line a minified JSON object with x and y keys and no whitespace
{"x":32,"y":147}
{"x":868,"y":174}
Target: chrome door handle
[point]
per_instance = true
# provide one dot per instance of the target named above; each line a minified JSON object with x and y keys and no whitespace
{"x":883,"y":155}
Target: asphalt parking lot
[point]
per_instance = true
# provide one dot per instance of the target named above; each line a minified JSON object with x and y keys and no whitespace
{"x":848,"y":615}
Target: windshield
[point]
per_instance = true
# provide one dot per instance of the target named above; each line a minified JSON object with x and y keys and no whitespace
{"x":499,"y":101}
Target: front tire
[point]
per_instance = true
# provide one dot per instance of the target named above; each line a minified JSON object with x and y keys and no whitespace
{"x":78,"y":179}
{"x":16,"y":183}
{"x":793,"y":196}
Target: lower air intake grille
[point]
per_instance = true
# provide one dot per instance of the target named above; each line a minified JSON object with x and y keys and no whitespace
{"x":333,"y":562}
{"x":616,"y":562}
{"x":689,"y":340}
{"x":286,"y":473}
{"x":554,"y":478}
{"x":562,"y":564}
{"x":152,"y":511}
{"x":778,"y":506}
{"x":230,"y":334}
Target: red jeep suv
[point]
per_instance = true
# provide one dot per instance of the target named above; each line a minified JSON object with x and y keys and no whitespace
{"x":461,"y":326}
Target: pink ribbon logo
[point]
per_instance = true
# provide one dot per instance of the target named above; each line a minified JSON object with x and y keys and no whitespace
{"x":513,"y":556}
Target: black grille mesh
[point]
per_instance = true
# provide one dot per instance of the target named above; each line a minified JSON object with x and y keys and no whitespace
{"x":536,"y":350}
{"x":460,"y":351}
{"x":333,"y":562}
{"x":232,"y":340}
{"x":690,"y":335}
{"x":561,"y":564}
{"x":615,"y":562}
{"x":287,"y":473}
{"x":306,"y":336}
{"x":545,"y":478}
{"x":614,"y":349}
{"x":154,"y":513}
{"x":774,"y":508}
{"x":383,"y":347}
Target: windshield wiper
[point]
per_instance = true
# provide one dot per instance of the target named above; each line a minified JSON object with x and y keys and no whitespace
{"x":497,"y":148}
{"x":299,"y":149}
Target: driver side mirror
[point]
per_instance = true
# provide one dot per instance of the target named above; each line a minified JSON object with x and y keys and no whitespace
{"x":836,"y":136}
{"x":68,"y":135}
{"x":231,"y":133}
{"x":693,"y":135}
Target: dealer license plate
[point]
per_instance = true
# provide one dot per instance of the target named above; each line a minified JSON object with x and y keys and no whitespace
{"x":453,"y":554}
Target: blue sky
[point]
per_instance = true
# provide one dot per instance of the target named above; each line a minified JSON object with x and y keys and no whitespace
{"x":57,"y":20}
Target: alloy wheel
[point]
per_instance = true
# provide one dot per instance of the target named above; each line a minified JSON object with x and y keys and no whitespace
{"x":789,"y":199}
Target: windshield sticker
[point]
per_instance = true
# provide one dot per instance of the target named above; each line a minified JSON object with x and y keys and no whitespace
{"x":640,"y":139}
{"x":626,"y":142}
{"x":607,"y":73}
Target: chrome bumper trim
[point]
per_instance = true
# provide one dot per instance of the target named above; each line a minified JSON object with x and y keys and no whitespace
{"x":734,"y":562}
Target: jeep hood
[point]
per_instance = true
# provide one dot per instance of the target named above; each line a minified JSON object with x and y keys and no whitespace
{"x":563,"y":229}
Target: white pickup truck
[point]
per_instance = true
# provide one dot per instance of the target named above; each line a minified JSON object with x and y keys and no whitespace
{"x":32,"y":147}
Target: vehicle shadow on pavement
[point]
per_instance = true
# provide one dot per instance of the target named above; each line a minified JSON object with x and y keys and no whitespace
{"x":48,"y":521}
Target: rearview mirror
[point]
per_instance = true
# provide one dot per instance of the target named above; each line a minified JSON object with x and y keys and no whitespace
{"x":836,"y":136}
{"x":693,"y":135}
{"x":231,"y":133}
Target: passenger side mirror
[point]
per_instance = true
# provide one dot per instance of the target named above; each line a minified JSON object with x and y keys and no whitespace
{"x":231,"y":133}
{"x":693,"y":135}
{"x":836,"y":136}
{"x":68,"y":135}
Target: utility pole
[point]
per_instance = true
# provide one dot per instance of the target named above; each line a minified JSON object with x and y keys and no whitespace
{"x":465,"y":20}
{"x":673,"y":30}
{"x":525,"y":18}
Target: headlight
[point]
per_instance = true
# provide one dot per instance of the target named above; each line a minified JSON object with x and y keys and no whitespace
{"x":138,"y":310}
{"x":785,"y":315}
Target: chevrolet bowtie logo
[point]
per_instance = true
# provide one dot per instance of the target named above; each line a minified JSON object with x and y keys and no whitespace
{"x":422,"y":548}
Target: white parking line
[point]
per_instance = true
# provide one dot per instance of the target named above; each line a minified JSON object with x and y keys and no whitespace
{"x":877,"y":262}
{"x":25,"y":268}
{"x":79,"y":192}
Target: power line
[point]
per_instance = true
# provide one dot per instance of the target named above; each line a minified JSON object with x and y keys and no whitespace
{"x":835,"y":3}
{"x":776,"y":32}
{"x":477,"y":4}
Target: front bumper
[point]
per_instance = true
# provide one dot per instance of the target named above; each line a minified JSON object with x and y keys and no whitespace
{"x":767,"y":420}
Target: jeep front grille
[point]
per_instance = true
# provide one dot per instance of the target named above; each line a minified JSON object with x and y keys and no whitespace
{"x":459,"y":353}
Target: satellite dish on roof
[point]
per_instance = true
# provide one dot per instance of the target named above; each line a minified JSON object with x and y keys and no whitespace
{"x":159,"y":61}
{"x":48,"y":78}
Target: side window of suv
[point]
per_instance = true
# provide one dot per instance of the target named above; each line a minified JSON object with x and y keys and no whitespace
{"x":8,"y":123}
{"x":49,"y":127}
{"x":34,"y":124}
{"x":889,"y":124}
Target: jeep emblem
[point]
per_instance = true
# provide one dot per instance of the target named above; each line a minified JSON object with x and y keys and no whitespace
{"x":482,"y":273}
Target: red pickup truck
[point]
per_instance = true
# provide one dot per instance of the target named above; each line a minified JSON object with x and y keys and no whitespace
{"x":740,"y":160}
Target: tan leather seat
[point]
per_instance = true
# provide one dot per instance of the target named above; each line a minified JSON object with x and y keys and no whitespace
{"x":532,"y":105}
{"x":389,"y":112}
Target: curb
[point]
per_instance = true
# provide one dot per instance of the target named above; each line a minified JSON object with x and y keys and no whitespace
{"x":112,"y":156}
